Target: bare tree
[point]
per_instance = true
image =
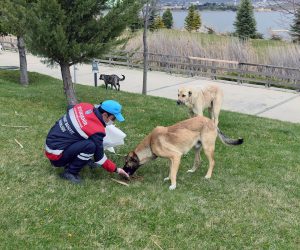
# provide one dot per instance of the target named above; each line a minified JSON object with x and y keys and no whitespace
{"x":14,"y":19}
{"x":287,"y":6}
{"x":145,"y":55}
{"x":290,"y":9}
{"x":149,"y":7}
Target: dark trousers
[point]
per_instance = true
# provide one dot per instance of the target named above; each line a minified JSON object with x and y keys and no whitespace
{"x":76,"y":156}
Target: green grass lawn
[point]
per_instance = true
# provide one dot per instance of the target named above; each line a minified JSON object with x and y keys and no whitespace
{"x":251,"y":202}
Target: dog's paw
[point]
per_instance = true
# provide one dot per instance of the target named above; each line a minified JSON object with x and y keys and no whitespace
{"x":172,"y":187}
{"x":191,"y":170}
{"x":167,"y":178}
{"x":207,"y":176}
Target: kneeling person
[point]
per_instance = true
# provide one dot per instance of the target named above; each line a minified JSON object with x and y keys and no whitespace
{"x":78,"y":136}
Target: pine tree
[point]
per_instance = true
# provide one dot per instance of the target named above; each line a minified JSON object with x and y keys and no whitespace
{"x":137,"y":22}
{"x":295,"y":27}
{"x":158,"y":23}
{"x":70,"y":32}
{"x":3,"y":29}
{"x":193,"y":20}
{"x":196,"y":21}
{"x":167,"y":19}
{"x":245,"y":24}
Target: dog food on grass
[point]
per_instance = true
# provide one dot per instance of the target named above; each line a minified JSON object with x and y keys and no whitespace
{"x":136,"y":178}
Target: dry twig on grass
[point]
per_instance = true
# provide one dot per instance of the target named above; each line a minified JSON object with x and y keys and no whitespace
{"x":120,"y":182}
{"x":21,"y":146}
{"x":14,"y":126}
{"x":156,"y":244}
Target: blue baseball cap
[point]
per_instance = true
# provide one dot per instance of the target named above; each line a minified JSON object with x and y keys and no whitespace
{"x":114,"y":108}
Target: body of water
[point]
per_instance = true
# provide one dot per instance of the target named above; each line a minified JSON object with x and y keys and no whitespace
{"x":222,"y":21}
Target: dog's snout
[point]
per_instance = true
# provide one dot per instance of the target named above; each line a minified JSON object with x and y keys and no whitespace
{"x":178,"y":102}
{"x":128,"y":170}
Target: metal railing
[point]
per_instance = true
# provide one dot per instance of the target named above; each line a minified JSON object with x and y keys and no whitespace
{"x":11,"y":46}
{"x":268,"y":75}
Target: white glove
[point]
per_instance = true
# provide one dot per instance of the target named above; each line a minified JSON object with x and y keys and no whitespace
{"x":121,"y":172}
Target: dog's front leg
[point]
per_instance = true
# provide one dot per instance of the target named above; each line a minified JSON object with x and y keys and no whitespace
{"x":198,"y":110}
{"x":197,"y":160}
{"x":191,"y":113}
{"x":175,"y":161}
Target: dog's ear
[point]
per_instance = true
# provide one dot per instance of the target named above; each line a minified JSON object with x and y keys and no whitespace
{"x":136,"y":158}
{"x":133,"y":157}
{"x":190,"y":93}
{"x":131,"y":154}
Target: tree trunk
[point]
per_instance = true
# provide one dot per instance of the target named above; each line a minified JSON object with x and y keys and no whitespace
{"x":146,"y":17}
{"x":23,"y":62}
{"x":69,"y":88}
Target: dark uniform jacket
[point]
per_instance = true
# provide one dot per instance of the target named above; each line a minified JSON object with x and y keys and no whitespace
{"x":81,"y":122}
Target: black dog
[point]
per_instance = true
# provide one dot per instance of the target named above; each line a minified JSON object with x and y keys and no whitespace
{"x":112,"y":79}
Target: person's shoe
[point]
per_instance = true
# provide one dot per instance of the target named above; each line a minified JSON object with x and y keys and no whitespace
{"x":70,"y":177}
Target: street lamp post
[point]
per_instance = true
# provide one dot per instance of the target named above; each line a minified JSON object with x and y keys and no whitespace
{"x":75,"y":69}
{"x":95,"y":70}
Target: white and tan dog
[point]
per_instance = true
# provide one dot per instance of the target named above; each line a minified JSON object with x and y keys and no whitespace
{"x":198,"y":99}
{"x":174,"y":141}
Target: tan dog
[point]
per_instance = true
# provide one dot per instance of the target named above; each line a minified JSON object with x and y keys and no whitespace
{"x":174,"y":141}
{"x":210,"y":96}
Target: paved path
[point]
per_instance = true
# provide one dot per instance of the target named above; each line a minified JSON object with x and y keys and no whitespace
{"x":249,"y":99}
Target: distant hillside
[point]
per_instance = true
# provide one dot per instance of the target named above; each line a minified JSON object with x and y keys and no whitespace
{"x":256,"y":3}
{"x":188,"y":1}
{"x":208,"y":1}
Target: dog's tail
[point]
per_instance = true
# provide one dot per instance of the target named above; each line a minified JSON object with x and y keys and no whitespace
{"x":228,"y":141}
{"x":122,"y":79}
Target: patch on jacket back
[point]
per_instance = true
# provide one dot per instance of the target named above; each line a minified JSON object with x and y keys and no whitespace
{"x":88,"y":112}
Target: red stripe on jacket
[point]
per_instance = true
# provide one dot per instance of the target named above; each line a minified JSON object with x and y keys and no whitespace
{"x":52,"y":157}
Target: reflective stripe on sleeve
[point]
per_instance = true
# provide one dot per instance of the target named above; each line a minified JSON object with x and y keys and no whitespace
{"x":53,"y":151}
{"x":104,"y":158}
{"x":85,"y":157}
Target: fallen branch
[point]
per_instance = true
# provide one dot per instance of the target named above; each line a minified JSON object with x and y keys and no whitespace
{"x":12,"y":126}
{"x":156,"y":244}
{"x":120,"y":182}
{"x":19,"y":143}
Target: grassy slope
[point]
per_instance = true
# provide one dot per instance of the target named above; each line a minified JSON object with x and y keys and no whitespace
{"x":252,"y":201}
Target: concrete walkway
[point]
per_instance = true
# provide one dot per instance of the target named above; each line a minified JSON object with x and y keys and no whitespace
{"x":249,"y":99}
